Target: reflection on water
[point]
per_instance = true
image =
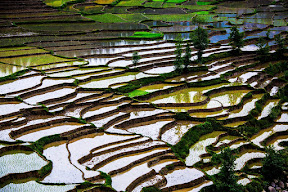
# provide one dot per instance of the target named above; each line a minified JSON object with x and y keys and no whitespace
{"x":229,"y":98}
{"x":6,"y":69}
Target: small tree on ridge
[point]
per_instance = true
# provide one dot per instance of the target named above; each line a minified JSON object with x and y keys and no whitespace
{"x":135,"y":58}
{"x":236,"y":39}
{"x":200,"y":41}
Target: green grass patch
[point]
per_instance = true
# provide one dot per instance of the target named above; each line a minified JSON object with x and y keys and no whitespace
{"x":202,"y":12}
{"x":34,"y":60}
{"x":13,"y":76}
{"x":106,"y":18}
{"x":57,"y":3}
{"x":154,"y":4}
{"x":39,"y":144}
{"x":146,"y":35}
{"x":137,"y":17}
{"x":131,"y":3}
{"x":172,"y":1}
{"x":136,"y":93}
{"x":172,"y":17}
{"x":203,"y":3}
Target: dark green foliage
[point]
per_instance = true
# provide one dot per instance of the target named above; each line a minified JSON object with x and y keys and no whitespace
{"x":280,"y":42}
{"x":200,"y":41}
{"x":263,"y":48}
{"x":108,"y":180}
{"x":18,"y":98}
{"x":39,"y":144}
{"x":236,"y":39}
{"x":182,"y":116}
{"x":115,"y":3}
{"x":13,"y":76}
{"x":187,"y":56}
{"x":150,"y":189}
{"x":255,"y":186}
{"x":253,"y":126}
{"x":259,"y":105}
{"x":76,"y":82}
{"x":274,"y":164}
{"x":178,"y":63}
{"x":135,"y":58}
{"x":217,"y":56}
{"x":268,"y":34}
{"x":273,"y":69}
{"x":283,"y":93}
{"x":45,"y":170}
{"x":226,"y":180}
{"x":181,"y":149}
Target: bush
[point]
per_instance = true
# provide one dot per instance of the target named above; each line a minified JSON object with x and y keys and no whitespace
{"x":226,"y":180}
{"x":274,"y":164}
{"x":236,"y":39}
{"x":181,"y":149}
{"x":254,"y":186}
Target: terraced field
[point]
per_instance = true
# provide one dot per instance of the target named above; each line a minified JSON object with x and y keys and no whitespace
{"x":76,"y":114}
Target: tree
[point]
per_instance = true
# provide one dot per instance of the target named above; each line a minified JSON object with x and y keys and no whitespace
{"x":263,"y":48}
{"x":187,"y":56}
{"x":280,"y":42}
{"x":135,"y":58}
{"x":274,"y":164}
{"x":178,"y":63}
{"x":200,"y":41}
{"x":236,"y":39}
{"x":226,"y":179}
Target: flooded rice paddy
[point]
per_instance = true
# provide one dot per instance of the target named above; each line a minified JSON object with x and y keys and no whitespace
{"x":75,"y":110}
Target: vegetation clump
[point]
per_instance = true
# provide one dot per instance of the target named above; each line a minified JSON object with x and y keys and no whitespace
{"x":178,"y":63}
{"x":275,"y":164}
{"x":263,"y":48}
{"x":226,"y":179}
{"x":146,"y":35}
{"x":181,"y":149}
{"x":135,"y":58}
{"x":200,"y":41}
{"x":236,"y":39}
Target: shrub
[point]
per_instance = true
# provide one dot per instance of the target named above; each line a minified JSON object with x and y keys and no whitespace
{"x":179,"y":61}
{"x":263,"y":48}
{"x":187,"y":56}
{"x":200,"y":41}
{"x":280,"y":42}
{"x":236,"y":39}
{"x":226,"y":180}
{"x":135,"y":58}
{"x":274,"y":164}
{"x":181,"y":149}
